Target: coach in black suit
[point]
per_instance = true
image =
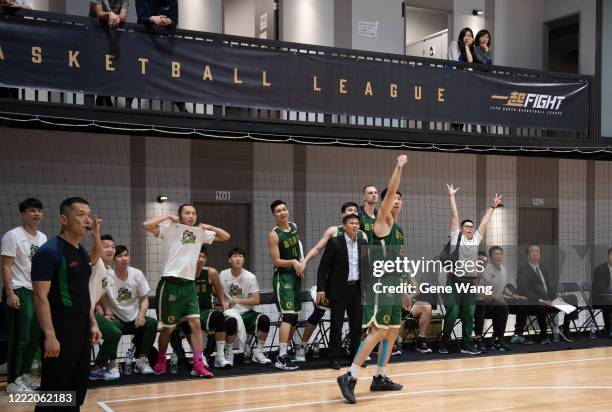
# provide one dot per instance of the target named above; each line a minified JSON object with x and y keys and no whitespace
{"x":602,"y":291}
{"x":342,"y":266}
{"x":541,"y":289}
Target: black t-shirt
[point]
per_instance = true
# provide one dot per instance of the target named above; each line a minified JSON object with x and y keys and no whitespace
{"x":68,"y":269}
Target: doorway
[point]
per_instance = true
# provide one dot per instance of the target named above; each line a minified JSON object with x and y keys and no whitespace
{"x":562,"y":44}
{"x":540,"y":226}
{"x":235,"y":218}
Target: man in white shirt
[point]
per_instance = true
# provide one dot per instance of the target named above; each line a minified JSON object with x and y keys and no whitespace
{"x":464,"y":246}
{"x":18,"y":247}
{"x":127,"y":302}
{"x":242,"y":294}
{"x":176,"y":296}
{"x":105,"y":367}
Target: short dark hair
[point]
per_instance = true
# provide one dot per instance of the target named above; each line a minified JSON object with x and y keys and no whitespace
{"x":204,"y":250}
{"x":494,"y":248}
{"x":120,"y":249}
{"x":107,"y":237}
{"x":363,"y":190}
{"x":384,"y":193}
{"x":609,"y":251}
{"x":349,"y":217}
{"x":347,"y":205}
{"x":466,"y":221}
{"x":235,"y":251}
{"x":276,"y":203}
{"x":180,"y":209}
{"x":30,"y":203}
{"x":67,"y":203}
{"x":529,"y":246}
{"x":482,"y":253}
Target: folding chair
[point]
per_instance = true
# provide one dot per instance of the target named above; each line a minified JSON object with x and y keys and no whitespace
{"x":586,"y":289}
{"x":573,"y":288}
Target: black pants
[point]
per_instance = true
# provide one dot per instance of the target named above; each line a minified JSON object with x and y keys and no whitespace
{"x":540,"y":311}
{"x":69,"y":371}
{"x":607,"y":315}
{"x":498,"y":313}
{"x":352,"y":305}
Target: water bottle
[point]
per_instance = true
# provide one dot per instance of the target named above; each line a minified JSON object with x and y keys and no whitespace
{"x":127,"y":364}
{"x":315,"y":349}
{"x":173,"y":363}
{"x":247,"y":353}
{"x":593,"y":330}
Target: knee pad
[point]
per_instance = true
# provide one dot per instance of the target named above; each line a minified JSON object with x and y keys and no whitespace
{"x":290,"y":318}
{"x":316,"y":316}
{"x":263,"y":324}
{"x":217,"y":322}
{"x":231,"y":326}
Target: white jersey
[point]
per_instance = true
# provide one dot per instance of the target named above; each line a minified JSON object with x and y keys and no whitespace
{"x":181,"y":248}
{"x":98,"y":281}
{"x":123,"y":295}
{"x":468,"y":249}
{"x":21,"y":246}
{"x":240,"y":287}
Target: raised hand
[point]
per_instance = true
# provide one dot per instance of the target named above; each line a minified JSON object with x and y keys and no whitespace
{"x":496,"y":201}
{"x":451,"y":190}
{"x":402,"y":160}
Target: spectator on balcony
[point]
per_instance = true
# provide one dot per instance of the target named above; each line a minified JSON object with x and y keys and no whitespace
{"x":462,"y":49}
{"x":482,"y":48}
{"x":157,"y":12}
{"x":111,"y":12}
{"x":18,"y":4}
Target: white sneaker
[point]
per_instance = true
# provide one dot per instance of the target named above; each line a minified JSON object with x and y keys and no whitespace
{"x":30,"y":381}
{"x":97,"y":373}
{"x":143,"y":367}
{"x":260,"y":357}
{"x":300,"y":354}
{"x":18,"y":387}
{"x":229,"y":355}
{"x":221,"y":361}
{"x":112,"y":373}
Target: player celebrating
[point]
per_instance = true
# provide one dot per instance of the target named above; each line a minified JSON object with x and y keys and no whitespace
{"x":286,"y":254}
{"x":176,"y":295}
{"x":382,"y":313}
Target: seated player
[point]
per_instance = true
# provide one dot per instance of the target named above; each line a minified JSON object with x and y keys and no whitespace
{"x":127,"y":302}
{"x":420,"y":310}
{"x":321,"y":307}
{"x":242,"y":289}
{"x":211,"y":320}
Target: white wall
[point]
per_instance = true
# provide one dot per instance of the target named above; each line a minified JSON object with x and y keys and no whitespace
{"x":238,"y":17}
{"x":201,"y":15}
{"x":422,"y":22}
{"x":388,"y":14}
{"x":517,"y":40}
{"x":308,"y":21}
{"x":554,"y":9}
{"x":463,"y":17}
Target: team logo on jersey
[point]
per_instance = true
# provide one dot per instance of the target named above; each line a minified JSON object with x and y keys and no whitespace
{"x":124,"y":294}
{"x":235,"y":290}
{"x":171,"y":298}
{"x":188,"y":237}
{"x":387,"y":318}
{"x":33,"y":250}
{"x":287,"y":285}
{"x":171,"y":319}
{"x":104,"y":283}
{"x":289,"y":305}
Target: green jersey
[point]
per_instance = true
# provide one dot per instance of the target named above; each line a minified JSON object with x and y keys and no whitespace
{"x":288,"y":247}
{"x":366,"y":223}
{"x":204,"y":289}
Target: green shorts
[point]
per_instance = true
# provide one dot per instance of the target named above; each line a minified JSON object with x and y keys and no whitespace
{"x":205,"y":320}
{"x":176,"y":300}
{"x":250,"y":320}
{"x":287,"y":292}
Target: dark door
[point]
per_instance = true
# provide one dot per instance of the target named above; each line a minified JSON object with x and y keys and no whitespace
{"x":235,"y":218}
{"x":539,"y":226}
{"x":562,"y":44}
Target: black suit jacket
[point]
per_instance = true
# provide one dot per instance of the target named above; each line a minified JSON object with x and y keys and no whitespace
{"x":601,"y":291}
{"x":529,"y":284}
{"x":332,"y":276}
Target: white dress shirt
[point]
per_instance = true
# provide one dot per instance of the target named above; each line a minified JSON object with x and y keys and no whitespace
{"x":353,"y":258}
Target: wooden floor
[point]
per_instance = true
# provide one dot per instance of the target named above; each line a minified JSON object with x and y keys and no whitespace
{"x":555,"y":381}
